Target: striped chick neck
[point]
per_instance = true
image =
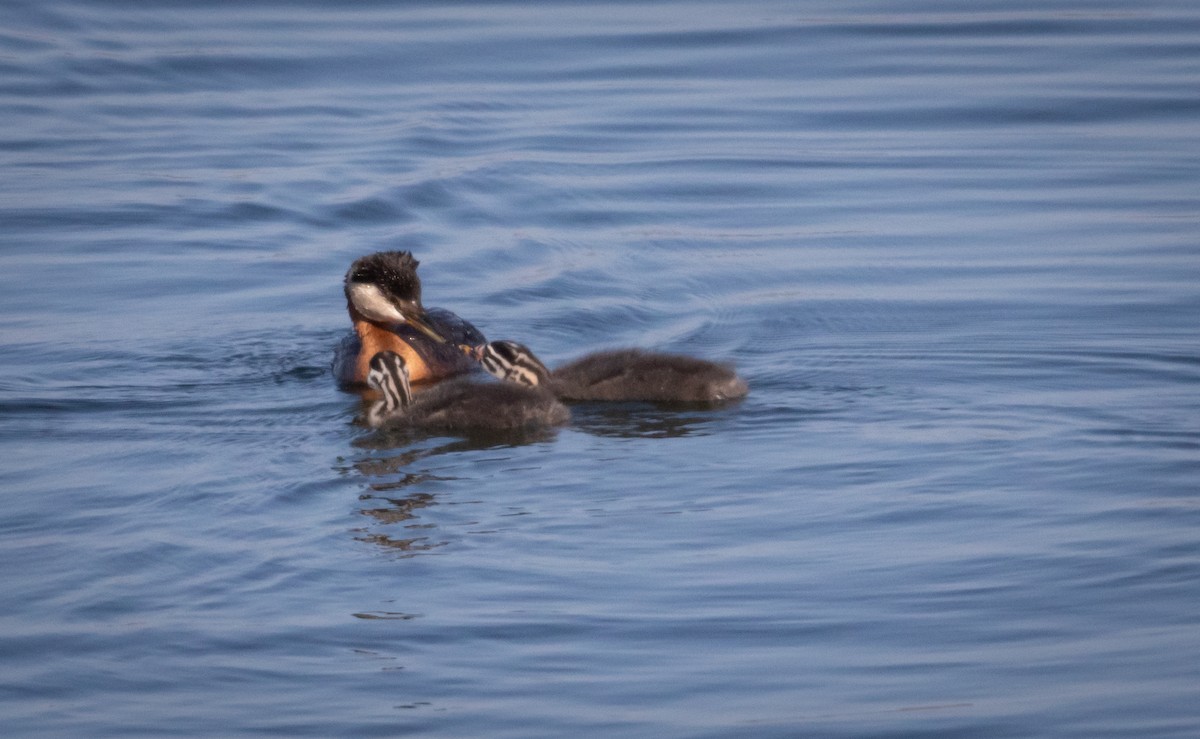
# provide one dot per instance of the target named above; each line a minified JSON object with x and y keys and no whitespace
{"x":388,"y":375}
{"x":513,"y":362}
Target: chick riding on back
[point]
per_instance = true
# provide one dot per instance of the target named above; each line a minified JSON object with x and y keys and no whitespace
{"x":616,"y":375}
{"x":460,"y":404}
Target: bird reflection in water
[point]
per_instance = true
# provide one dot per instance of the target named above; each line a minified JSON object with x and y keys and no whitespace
{"x":387,"y":500}
{"x":642,"y":420}
{"x":394,"y":468}
{"x":397,"y":511}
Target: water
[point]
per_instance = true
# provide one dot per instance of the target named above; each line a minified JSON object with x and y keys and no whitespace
{"x":955,"y":250}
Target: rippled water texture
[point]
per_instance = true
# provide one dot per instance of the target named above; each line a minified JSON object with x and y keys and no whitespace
{"x":955,"y":251}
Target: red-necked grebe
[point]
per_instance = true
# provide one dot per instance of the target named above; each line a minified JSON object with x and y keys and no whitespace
{"x":383,"y":295}
{"x":616,"y":375}
{"x":461,"y":404}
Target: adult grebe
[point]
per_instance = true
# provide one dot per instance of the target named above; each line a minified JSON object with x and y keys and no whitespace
{"x":461,"y":404}
{"x":616,"y":375}
{"x":383,"y":295}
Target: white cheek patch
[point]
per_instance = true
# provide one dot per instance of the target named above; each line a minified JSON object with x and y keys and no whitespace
{"x":369,"y":301}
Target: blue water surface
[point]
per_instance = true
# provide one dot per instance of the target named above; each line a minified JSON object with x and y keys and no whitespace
{"x":954,"y":248}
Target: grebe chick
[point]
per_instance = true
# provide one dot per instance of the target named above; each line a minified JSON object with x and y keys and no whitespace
{"x":617,"y":375}
{"x":458,"y":405}
{"x":383,"y":296}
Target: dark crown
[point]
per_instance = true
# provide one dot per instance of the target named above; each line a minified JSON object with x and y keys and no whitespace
{"x":393,"y":272}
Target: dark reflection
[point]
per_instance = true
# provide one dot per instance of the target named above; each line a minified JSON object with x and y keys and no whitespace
{"x":397,"y":510}
{"x":387,"y":506}
{"x":391,"y":464}
{"x":391,"y":511}
{"x":405,"y":547}
{"x":643,"y":420}
{"x":382,"y":616}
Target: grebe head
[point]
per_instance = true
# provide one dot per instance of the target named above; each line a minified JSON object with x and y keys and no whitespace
{"x":513,"y":362}
{"x":384,"y":287}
